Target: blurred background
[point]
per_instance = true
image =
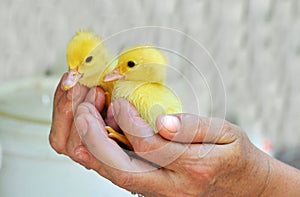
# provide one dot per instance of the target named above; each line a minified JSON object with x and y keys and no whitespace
{"x":254,"y":43}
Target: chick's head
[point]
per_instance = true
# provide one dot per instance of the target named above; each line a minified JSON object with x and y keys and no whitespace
{"x":84,"y":54}
{"x":140,"y":63}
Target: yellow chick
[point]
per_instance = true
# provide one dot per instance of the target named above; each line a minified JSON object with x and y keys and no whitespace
{"x":140,"y":75}
{"x":88,"y":61}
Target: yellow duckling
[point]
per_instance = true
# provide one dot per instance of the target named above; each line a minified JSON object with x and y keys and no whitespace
{"x":88,"y":62}
{"x":140,"y":75}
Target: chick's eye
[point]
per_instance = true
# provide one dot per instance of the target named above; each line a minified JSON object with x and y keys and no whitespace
{"x":88,"y":59}
{"x":130,"y":64}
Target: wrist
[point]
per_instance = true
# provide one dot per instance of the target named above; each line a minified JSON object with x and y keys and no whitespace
{"x":258,"y":173}
{"x":252,"y":177}
{"x":284,"y":180}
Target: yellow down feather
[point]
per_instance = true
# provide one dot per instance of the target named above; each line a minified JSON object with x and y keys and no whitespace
{"x":88,"y":61}
{"x":142,"y":72}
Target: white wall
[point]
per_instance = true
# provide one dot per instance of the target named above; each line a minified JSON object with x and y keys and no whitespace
{"x":255,"y":44}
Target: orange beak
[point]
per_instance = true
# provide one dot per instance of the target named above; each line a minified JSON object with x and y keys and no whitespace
{"x":71,"y":80}
{"x":113,"y":76}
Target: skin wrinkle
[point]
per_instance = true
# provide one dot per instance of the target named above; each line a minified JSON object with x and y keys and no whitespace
{"x":89,"y":108}
{"x":71,"y":143}
{"x":66,"y":110}
{"x":59,"y":144}
{"x":57,"y":98}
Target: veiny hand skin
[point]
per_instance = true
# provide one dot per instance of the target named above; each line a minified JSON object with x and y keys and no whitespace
{"x":220,"y":161}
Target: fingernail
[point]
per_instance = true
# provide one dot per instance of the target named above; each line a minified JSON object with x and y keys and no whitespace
{"x":82,"y":126}
{"x":171,"y":123}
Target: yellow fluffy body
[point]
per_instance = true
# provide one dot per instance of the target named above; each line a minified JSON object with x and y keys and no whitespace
{"x":143,"y":83}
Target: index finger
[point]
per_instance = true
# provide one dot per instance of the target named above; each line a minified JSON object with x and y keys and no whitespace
{"x":65,"y":103}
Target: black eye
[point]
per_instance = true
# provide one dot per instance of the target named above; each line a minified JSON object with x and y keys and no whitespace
{"x":88,"y":59}
{"x":130,"y":64}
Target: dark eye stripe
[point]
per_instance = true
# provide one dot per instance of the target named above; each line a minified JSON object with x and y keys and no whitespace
{"x":130,"y":64}
{"x":88,"y":59}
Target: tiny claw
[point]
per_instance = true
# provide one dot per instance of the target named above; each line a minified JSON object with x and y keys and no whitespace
{"x":107,"y":98}
{"x":118,"y":137}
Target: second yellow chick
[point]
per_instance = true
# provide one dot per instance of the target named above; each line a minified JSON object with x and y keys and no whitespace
{"x":140,"y":75}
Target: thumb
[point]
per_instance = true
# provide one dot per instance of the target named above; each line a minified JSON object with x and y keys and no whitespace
{"x":189,"y":128}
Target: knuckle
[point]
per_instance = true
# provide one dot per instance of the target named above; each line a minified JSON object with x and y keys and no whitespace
{"x":145,"y":144}
{"x":65,"y":110}
{"x":222,"y":124}
{"x":70,"y":152}
{"x":226,"y":126}
{"x":202,"y":172}
{"x":241,"y":134}
{"x":124,"y":180}
{"x":72,"y":156}
{"x":58,"y":147}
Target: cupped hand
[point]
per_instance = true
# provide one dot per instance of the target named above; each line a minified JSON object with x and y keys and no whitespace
{"x":190,"y":155}
{"x":63,"y":137}
{"x":197,"y":156}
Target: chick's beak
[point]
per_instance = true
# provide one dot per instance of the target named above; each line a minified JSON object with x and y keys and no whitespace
{"x":71,"y":80}
{"x":113,"y":76}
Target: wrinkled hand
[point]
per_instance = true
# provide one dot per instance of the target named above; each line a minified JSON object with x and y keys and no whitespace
{"x":206,"y":156}
{"x":64,"y":137}
{"x":198,"y":156}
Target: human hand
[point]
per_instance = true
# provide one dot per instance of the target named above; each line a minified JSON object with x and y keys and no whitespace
{"x":63,"y":136}
{"x":220,"y":160}
{"x":206,"y":156}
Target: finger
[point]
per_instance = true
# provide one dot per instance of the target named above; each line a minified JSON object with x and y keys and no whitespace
{"x":59,"y":90}
{"x":73,"y":142}
{"x":61,"y":110}
{"x":189,"y":128}
{"x":96,"y":97}
{"x":145,"y":142}
{"x":62,"y":117}
{"x":94,"y":135}
{"x":113,"y":163}
{"x":110,"y":120}
{"x":135,"y":182}
{"x":88,"y":108}
{"x":83,"y":156}
{"x":77,"y":95}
